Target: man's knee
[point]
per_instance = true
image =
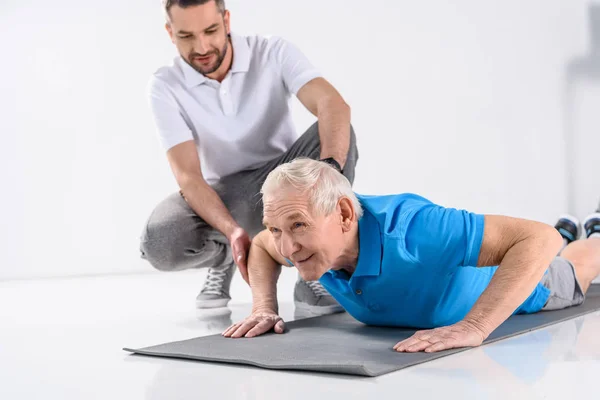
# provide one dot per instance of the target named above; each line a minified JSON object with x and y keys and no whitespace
{"x":352,"y":157}
{"x":585,"y":258}
{"x":170,"y":235}
{"x":169,"y":251}
{"x":161,"y":257}
{"x":309,"y":145}
{"x":163,"y":247}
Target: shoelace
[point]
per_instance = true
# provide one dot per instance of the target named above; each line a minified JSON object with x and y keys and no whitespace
{"x":317,"y":288}
{"x":214,"y":281}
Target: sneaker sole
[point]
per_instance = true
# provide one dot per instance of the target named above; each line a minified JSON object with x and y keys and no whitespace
{"x":574,"y":220}
{"x":319,"y":310}
{"x":212,"y":314}
{"x":566,"y":233}
{"x":591,"y":217}
{"x":207,"y":304}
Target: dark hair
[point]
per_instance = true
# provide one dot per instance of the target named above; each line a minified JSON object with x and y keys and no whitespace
{"x":167,"y":4}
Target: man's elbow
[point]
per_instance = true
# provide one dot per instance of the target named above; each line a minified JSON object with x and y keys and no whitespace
{"x":553,"y":238}
{"x":189,"y":182}
{"x":259,"y":239}
{"x":547,"y":239}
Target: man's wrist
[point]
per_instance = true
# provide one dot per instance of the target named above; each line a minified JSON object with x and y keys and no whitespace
{"x":478,"y":326}
{"x":230,"y":229}
{"x":268,"y":306}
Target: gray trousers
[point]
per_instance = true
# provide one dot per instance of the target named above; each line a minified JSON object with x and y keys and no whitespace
{"x":175,"y":238}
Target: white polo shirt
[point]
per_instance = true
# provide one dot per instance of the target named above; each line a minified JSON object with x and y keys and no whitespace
{"x":237,"y":124}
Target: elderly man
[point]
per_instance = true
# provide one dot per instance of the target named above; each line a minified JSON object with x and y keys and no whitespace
{"x":401,"y":260}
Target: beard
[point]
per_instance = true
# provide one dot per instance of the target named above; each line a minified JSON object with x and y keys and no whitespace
{"x":209,"y":69}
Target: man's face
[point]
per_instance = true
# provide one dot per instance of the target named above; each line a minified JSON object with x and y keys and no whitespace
{"x":200,"y":35}
{"x":310,"y":240}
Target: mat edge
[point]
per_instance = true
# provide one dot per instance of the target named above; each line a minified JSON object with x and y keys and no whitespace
{"x":362,"y":370}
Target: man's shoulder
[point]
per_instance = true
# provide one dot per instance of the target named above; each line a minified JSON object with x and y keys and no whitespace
{"x":392,"y":211}
{"x":391,"y":202}
{"x":264,"y":46}
{"x":261,"y":42}
{"x":168,"y":74}
{"x":165,"y":79}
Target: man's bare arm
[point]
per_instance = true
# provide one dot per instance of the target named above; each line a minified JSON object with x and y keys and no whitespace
{"x":205,"y":202}
{"x":264,"y":268}
{"x":523,"y":250}
{"x":201,"y":197}
{"x":333,"y":114}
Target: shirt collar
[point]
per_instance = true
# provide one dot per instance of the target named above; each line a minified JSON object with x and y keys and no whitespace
{"x":241,"y":54}
{"x":370,"y":250}
{"x":241,"y":62}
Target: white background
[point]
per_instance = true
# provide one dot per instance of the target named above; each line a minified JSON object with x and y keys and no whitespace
{"x":463,"y":102}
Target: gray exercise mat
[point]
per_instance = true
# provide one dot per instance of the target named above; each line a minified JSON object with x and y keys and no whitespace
{"x":339,"y":344}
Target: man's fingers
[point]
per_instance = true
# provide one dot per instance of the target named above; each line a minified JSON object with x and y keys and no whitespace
{"x":260,"y":328}
{"x":419,"y":341}
{"x":403,"y":345}
{"x":230,"y":330}
{"x":256,"y":324}
{"x":252,"y":327}
{"x":280,"y":326}
{"x":450,"y":341}
{"x":226,"y":331}
{"x":439,"y":346}
{"x":240,"y":258}
{"x":415,"y":338}
{"x":244,"y":328}
{"x":244,"y":272}
{"x":433,"y":340}
{"x":419,"y":346}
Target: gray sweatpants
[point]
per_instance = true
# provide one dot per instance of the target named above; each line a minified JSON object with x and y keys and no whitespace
{"x":176,"y":238}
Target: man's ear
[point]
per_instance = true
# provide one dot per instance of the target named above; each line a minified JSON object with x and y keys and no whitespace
{"x":347,"y":213}
{"x":169,"y":29}
{"x":227,"y":21}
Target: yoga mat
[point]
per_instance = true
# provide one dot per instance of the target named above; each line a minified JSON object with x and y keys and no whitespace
{"x":339,"y":344}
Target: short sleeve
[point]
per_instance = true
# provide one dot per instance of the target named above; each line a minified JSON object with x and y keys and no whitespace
{"x":295,"y":68}
{"x":170,"y":124}
{"x":444,"y":238}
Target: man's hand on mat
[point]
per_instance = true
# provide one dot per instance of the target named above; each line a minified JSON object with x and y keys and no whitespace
{"x":256,"y":324}
{"x":240,"y":246}
{"x":461,"y":334}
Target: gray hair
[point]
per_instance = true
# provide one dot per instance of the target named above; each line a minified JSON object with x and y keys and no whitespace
{"x":324,"y":185}
{"x":167,"y":4}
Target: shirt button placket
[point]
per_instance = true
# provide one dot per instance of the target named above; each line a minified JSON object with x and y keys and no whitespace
{"x":225,"y":93}
{"x":226,"y":101}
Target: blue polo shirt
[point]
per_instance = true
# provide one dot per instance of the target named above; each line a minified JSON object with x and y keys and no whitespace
{"x":416,"y":265}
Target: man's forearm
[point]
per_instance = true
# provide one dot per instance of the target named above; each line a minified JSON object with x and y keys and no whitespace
{"x":334,"y":128}
{"x":263,"y":272}
{"x":515,"y":279}
{"x":208,"y":205}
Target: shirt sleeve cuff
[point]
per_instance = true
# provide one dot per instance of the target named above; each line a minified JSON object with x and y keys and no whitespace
{"x":474,"y":245}
{"x":171,"y":140}
{"x":303,"y":79}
